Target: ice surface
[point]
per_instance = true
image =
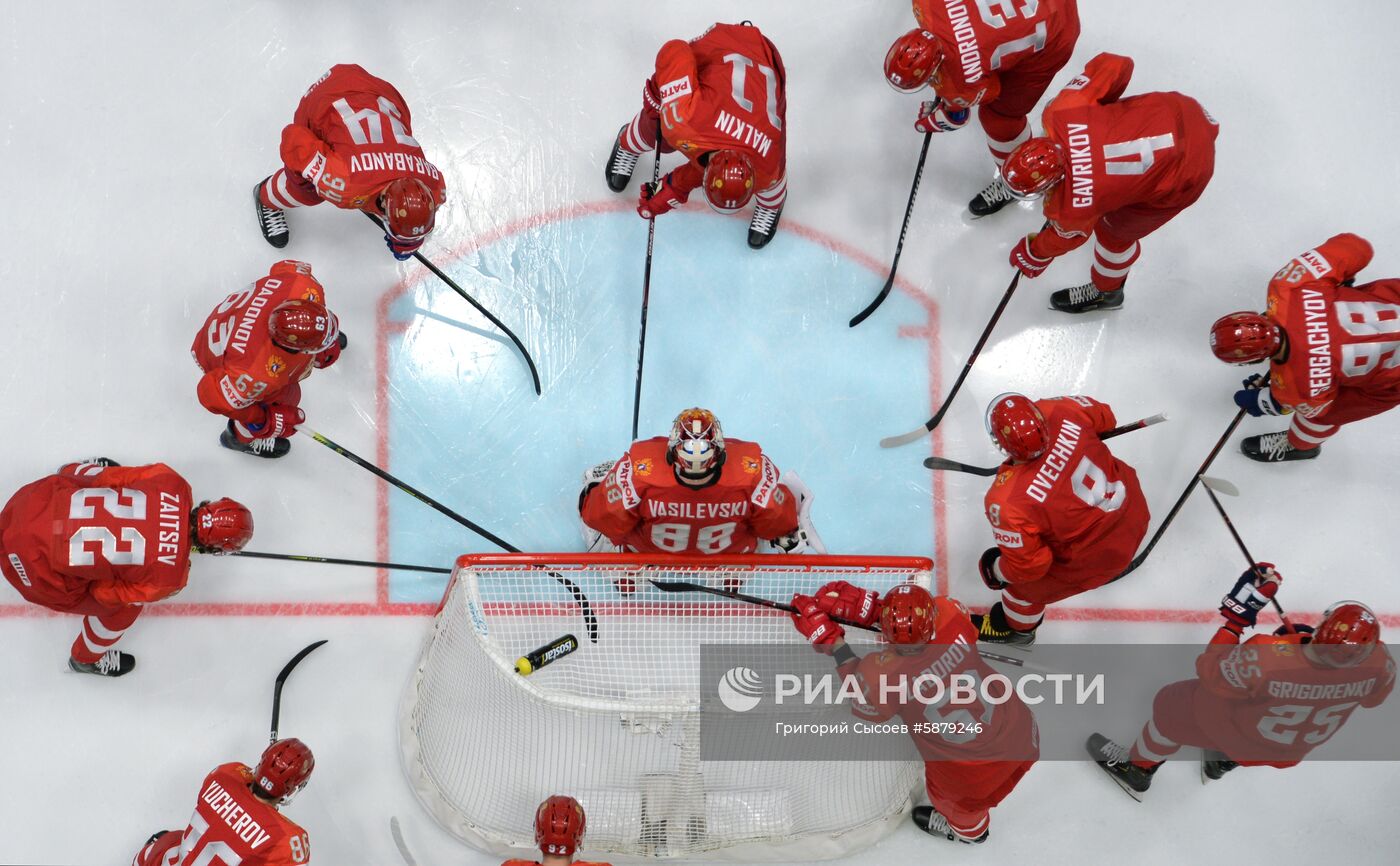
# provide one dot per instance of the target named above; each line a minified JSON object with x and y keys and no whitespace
{"x":134,"y":135}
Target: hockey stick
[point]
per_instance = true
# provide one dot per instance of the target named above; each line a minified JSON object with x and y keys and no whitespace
{"x":899,"y":247}
{"x":282,"y":680}
{"x":293,"y":557}
{"x":1212,"y":485}
{"x":400,"y":843}
{"x":589,"y":617}
{"x":918,"y":432}
{"x":646,"y":288}
{"x":687,"y":586}
{"x":1181,"y":500}
{"x":988,"y":471}
{"x":530,"y":362}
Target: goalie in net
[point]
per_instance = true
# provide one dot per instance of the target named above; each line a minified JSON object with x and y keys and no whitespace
{"x":695,"y":491}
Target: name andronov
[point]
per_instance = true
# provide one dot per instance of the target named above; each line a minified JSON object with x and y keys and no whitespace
{"x":1032,"y":688}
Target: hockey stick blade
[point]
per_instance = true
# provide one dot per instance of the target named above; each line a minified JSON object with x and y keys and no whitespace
{"x":529,"y":362}
{"x":905,"y":438}
{"x":899,"y":247}
{"x":282,"y":680}
{"x":1220,"y":485}
{"x":400,"y":843}
{"x":955,"y":466}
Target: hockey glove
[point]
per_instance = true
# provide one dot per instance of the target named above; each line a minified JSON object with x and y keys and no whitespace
{"x":280,"y":422}
{"x":651,"y":96}
{"x":402,"y":251}
{"x":659,"y":198}
{"x":939,"y":116}
{"x":815,"y":625}
{"x":1027,"y":262}
{"x":987,"y":567}
{"x":1258,"y":401}
{"x":849,"y":602}
{"x":331,"y":355}
{"x":1251,"y":593}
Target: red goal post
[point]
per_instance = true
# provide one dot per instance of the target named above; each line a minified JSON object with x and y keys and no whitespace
{"x":615,"y":722}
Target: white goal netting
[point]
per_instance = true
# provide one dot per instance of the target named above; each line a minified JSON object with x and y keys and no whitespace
{"x":616,"y":723}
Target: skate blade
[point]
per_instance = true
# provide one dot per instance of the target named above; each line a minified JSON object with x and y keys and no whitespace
{"x":1120,"y":783}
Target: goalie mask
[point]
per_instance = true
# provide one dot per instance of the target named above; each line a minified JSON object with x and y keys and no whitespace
{"x":696,"y":446}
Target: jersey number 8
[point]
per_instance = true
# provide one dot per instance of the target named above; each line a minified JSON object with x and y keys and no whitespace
{"x":675,"y":537}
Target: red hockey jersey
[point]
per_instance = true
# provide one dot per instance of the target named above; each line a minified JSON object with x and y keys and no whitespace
{"x":91,"y":539}
{"x":982,"y":41}
{"x":642,"y":507}
{"x":1338,"y":336}
{"x":1075,"y":511}
{"x":352,"y":135}
{"x":242,"y":367}
{"x":1155,"y":150}
{"x":726,"y":90}
{"x":231,"y":825}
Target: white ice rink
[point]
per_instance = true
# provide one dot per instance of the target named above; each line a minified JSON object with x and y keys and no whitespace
{"x":135,"y":133}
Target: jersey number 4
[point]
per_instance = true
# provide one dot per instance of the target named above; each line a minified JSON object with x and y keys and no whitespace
{"x":126,"y":504}
{"x":366,"y":126}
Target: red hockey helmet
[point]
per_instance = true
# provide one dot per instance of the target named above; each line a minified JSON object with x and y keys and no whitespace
{"x":221,"y":526}
{"x":728,"y":180}
{"x":283,"y":770}
{"x":1033,"y":167}
{"x":912,"y":60}
{"x":908,"y":615}
{"x":303,"y":325}
{"x":1017,"y":428}
{"x":411,"y":211}
{"x":1347,"y":634}
{"x":1244,"y":338}
{"x":559,"y":826}
{"x":696,"y":444}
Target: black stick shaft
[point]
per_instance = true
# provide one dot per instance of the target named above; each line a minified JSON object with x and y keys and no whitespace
{"x":687,"y":586}
{"x":1181,"y":500}
{"x":281,"y":681}
{"x":590,"y":618}
{"x":530,"y":362}
{"x":1248,"y":557}
{"x":329,"y":560}
{"x":646,"y":290}
{"x":899,"y":247}
{"x":918,"y":433}
{"x":988,"y":471}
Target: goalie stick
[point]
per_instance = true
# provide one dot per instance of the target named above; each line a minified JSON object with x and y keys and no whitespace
{"x":988,"y":471}
{"x":282,"y":680}
{"x":530,"y":362}
{"x":1181,"y":500}
{"x":1219,"y":484}
{"x":687,"y":586}
{"x":590,"y":619}
{"x":899,"y":247}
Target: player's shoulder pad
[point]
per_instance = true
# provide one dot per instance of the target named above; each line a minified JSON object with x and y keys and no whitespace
{"x":290,"y":266}
{"x":948,"y":612}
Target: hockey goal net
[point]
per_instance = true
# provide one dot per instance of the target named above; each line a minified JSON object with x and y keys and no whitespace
{"x":616,"y":723}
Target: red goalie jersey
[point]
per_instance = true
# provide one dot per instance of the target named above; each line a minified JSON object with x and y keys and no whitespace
{"x":641,"y":506}
{"x":724,"y":91}
{"x":984,"y":41}
{"x":230,"y":825}
{"x":1072,"y":517}
{"x":92,"y":540}
{"x":243,"y":368}
{"x":351,"y":136}
{"x":1338,"y":336}
{"x":1154,"y":151}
